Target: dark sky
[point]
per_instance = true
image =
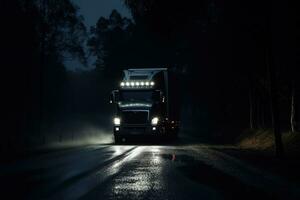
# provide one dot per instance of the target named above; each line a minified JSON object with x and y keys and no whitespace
{"x":93,"y":9}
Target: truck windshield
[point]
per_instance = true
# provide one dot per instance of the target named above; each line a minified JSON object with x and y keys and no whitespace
{"x":136,"y":96}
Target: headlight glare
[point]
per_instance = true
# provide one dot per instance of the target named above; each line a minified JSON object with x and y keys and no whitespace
{"x":154,"y":121}
{"x":117,"y":121}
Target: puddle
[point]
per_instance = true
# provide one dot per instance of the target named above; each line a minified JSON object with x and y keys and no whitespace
{"x":179,"y":158}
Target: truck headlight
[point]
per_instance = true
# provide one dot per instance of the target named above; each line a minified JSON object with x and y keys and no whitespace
{"x":117,"y":121}
{"x":154,"y":121}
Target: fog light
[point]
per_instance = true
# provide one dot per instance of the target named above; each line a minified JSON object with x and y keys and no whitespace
{"x":153,"y":128}
{"x":117,"y":129}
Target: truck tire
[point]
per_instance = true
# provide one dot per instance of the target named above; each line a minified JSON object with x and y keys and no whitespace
{"x":117,"y":139}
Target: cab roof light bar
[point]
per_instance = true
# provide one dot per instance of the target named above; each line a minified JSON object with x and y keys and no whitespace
{"x":137,"y":84}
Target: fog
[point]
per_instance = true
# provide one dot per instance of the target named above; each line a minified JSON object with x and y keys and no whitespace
{"x":81,"y":114}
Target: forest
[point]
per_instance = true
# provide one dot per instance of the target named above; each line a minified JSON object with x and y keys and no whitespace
{"x":238,"y":63}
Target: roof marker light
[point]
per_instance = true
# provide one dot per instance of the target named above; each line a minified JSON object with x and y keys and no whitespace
{"x":137,"y":83}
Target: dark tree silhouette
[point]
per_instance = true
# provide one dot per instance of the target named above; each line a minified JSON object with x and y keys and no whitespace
{"x":110,"y":40}
{"x":235,"y":47}
{"x":38,"y":35}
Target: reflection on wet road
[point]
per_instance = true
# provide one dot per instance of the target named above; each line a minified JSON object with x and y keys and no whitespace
{"x":140,"y":172}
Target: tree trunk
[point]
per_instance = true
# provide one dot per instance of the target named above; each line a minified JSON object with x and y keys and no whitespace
{"x":251,"y":107}
{"x":43,"y":8}
{"x":274,"y":108}
{"x":293,"y":109}
{"x":263,"y":113}
{"x":258,"y":110}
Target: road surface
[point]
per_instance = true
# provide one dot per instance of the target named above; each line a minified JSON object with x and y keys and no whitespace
{"x":165,"y":171}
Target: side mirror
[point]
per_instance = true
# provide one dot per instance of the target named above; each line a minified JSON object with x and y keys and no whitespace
{"x":157,"y":96}
{"x":162,"y":98}
{"x":111,"y":98}
{"x":114,"y":96}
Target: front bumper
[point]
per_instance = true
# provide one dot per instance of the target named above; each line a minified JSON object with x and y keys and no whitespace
{"x":131,"y":130}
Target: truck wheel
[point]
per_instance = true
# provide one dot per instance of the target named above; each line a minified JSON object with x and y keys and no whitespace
{"x":117,"y":139}
{"x":174,"y":134}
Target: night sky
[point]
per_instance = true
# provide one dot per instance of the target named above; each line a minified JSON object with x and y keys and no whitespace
{"x":93,"y":9}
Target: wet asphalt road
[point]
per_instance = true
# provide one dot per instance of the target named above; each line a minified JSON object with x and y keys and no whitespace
{"x":175,"y":171}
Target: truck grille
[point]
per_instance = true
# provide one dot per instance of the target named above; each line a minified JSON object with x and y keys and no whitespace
{"x":134,"y":117}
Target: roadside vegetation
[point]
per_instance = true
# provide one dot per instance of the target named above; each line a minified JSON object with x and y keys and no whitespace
{"x":263,"y":141}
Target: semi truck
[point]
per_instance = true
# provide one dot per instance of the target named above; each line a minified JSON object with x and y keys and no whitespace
{"x":146,"y":103}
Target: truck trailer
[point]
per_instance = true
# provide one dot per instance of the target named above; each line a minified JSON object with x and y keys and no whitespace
{"x":147,"y":103}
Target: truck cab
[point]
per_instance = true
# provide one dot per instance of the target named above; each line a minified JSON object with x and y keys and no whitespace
{"x":142,"y":105}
